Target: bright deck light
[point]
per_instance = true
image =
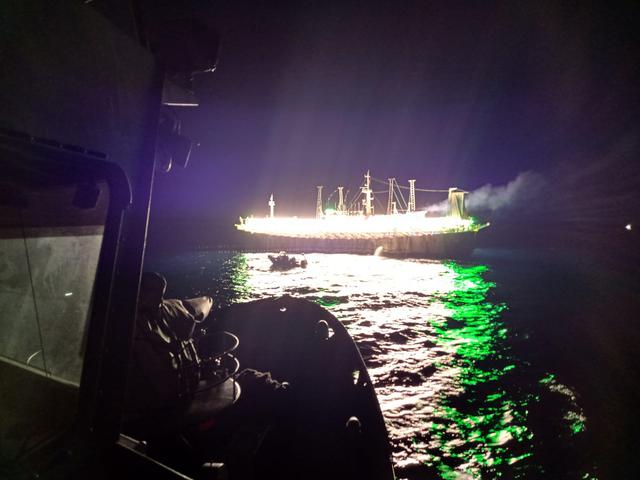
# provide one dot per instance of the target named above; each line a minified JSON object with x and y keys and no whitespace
{"x":353,"y":226}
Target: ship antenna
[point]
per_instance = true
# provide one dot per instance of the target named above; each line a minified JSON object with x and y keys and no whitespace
{"x":366,"y":190}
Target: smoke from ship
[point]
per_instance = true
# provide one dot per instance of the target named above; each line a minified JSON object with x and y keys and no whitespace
{"x":489,"y":198}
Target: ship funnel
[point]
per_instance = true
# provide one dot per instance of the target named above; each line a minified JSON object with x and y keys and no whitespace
{"x":456,"y":203}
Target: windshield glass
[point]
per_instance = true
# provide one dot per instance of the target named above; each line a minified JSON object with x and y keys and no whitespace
{"x":49,"y":248}
{"x":51,"y":231}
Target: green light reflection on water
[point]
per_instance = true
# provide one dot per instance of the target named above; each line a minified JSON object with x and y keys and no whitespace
{"x":574,"y":417}
{"x":478,"y":422}
{"x":328,"y":301}
{"x":237,"y":269}
{"x":483,"y":431}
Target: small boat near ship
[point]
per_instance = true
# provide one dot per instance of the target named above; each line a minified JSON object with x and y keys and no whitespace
{"x":356,"y":228}
{"x":282,"y":261}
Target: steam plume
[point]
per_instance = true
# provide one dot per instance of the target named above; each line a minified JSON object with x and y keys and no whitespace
{"x":488,"y":198}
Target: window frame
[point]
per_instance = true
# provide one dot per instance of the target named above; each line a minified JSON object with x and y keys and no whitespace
{"x":51,"y":157}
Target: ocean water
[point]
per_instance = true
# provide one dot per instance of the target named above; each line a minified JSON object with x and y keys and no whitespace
{"x":483,"y":369}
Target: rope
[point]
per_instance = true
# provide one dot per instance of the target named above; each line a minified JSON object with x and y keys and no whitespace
{"x":404,"y":205}
{"x":407,"y":188}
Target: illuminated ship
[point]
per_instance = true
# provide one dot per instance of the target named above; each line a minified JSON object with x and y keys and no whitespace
{"x":402,"y":231}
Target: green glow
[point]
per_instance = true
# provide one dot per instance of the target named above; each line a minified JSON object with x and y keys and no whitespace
{"x":484,"y":430}
{"x":481,"y":411}
{"x":548,"y":379}
{"x":328,"y":301}
{"x":238,"y":273}
{"x":484,"y":436}
{"x":576,"y":421}
{"x":574,"y":417}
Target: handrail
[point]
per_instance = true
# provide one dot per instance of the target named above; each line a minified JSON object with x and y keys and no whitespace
{"x":223,"y":364}
{"x":228,"y":373}
{"x":223,"y":334}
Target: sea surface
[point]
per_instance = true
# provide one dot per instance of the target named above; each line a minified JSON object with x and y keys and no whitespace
{"x":503,"y":366}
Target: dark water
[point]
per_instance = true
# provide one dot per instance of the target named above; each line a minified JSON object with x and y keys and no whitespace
{"x":494,"y":368}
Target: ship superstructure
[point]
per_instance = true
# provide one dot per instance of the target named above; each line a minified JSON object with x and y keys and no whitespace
{"x":355,"y":227}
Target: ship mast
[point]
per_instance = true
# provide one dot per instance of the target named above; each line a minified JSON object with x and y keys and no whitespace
{"x":272,"y":204}
{"x":319,"y":212}
{"x":412,"y":196}
{"x":368,"y":197}
{"x":391,"y":204}
{"x":341,"y":207}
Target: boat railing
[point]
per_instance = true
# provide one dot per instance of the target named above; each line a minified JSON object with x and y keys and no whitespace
{"x":217,"y":361}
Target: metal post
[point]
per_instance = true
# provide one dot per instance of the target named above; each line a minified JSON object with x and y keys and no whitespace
{"x":391,"y":196}
{"x":272,"y":205}
{"x":412,"y":196}
{"x":368,"y":197}
{"x":319,"y":212}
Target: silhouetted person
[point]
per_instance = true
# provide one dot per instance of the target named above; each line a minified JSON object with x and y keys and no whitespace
{"x":171,"y":317}
{"x":164,"y":371}
{"x":165,"y":376}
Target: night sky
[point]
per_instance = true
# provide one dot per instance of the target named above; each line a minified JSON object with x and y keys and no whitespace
{"x":450,"y":93}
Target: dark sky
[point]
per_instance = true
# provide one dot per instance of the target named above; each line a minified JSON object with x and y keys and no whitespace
{"x":450,"y":93}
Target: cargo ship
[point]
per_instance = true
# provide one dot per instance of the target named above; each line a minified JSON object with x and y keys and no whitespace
{"x":354,"y":227}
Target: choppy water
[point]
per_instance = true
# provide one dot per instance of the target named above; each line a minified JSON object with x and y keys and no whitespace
{"x":457,"y":399}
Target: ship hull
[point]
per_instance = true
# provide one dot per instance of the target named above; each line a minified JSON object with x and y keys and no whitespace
{"x":437,"y":245}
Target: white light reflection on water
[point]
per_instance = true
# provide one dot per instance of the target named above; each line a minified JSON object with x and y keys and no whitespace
{"x":393,"y":309}
{"x":457,"y":405}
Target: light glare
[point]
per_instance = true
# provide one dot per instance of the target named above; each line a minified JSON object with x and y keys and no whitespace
{"x":351,"y":226}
